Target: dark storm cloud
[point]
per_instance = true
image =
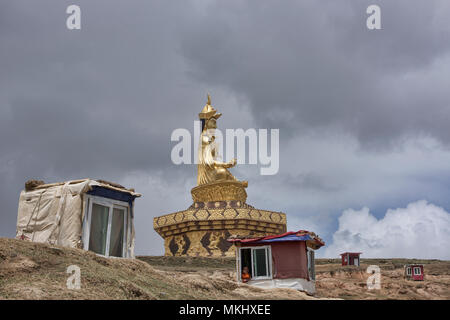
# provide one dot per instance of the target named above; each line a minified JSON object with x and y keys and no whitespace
{"x":310,"y":64}
{"x":85,"y":99}
{"x":100,"y":102}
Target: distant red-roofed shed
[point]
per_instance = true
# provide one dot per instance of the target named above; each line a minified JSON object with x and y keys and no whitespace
{"x":351,"y":258}
{"x":414,"y":272}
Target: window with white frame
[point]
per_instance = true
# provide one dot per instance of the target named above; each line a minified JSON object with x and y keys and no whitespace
{"x":106,"y":226}
{"x":260,"y":260}
{"x":408,"y":271}
{"x":417,"y":271}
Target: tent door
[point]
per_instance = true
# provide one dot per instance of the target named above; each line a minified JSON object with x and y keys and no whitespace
{"x":118,"y":227}
{"x":99,"y":228}
{"x":246,"y":260}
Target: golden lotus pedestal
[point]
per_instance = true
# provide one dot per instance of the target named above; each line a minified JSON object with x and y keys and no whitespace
{"x":219,"y":211}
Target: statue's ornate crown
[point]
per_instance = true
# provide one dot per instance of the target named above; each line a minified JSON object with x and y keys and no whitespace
{"x":208,"y":111}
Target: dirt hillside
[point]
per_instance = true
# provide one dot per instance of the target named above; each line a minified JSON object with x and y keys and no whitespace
{"x":350,"y":282}
{"x":39,"y":271}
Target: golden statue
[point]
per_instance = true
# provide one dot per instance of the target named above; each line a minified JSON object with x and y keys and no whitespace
{"x":214,"y":181}
{"x":210,"y":169}
{"x":219,"y":207}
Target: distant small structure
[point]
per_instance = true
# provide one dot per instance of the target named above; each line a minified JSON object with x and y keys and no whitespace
{"x":95,"y":215}
{"x":278,"y":261}
{"x":351,"y":258}
{"x":414,"y":272}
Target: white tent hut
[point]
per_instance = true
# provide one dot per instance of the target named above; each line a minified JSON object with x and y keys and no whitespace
{"x":94,"y":215}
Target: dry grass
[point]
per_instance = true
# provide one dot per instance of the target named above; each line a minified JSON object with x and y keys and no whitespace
{"x":38,"y":271}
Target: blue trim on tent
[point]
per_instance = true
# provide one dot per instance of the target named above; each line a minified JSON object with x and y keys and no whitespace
{"x":291,"y":237}
{"x":113,"y":194}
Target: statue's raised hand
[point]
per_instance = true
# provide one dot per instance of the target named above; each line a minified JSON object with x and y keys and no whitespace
{"x":232,"y":162}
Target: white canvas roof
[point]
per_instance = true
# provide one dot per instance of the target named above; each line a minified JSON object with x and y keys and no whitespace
{"x":53,"y":213}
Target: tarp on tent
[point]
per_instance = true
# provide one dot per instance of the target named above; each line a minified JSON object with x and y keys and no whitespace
{"x":54,"y":213}
{"x":289,"y":260}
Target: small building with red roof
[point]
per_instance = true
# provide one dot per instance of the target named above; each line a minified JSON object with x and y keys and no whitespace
{"x":351,"y":258}
{"x":414,"y":272}
{"x":278,"y":261}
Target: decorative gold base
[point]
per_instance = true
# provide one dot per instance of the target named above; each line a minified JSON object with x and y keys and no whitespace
{"x":220,"y":191}
{"x":204,"y":243}
{"x":202,"y":230}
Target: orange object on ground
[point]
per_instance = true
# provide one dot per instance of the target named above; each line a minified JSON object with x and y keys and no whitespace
{"x":245,"y":277}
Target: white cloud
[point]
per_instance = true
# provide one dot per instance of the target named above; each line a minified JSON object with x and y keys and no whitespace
{"x":421,"y":230}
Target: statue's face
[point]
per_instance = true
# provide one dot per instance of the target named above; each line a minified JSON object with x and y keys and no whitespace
{"x":211,"y":124}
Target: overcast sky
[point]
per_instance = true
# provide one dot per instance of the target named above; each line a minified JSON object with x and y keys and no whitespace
{"x":364,"y":115}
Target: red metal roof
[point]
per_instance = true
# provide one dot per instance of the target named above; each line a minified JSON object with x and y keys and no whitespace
{"x":351,"y":253}
{"x":312,"y":235}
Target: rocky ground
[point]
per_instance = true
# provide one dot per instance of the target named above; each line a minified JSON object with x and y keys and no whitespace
{"x":335,"y":281}
{"x":38,"y":271}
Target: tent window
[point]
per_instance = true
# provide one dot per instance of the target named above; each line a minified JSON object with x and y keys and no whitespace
{"x":258,"y":259}
{"x":417,"y":271}
{"x":107,"y":224}
{"x":99,"y":228}
{"x":408,"y":271}
{"x":260,"y":262}
{"x":117,"y":232}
